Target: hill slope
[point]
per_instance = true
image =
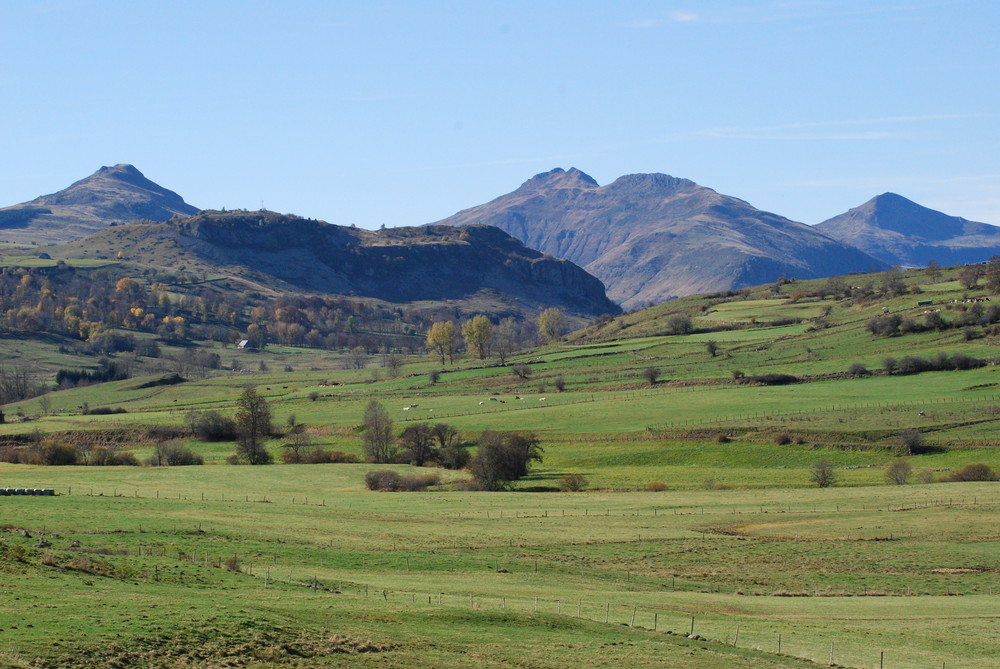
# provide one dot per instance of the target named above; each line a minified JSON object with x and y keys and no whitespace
{"x":901,"y":232}
{"x":287,"y":253}
{"x":651,"y":237}
{"x":116,"y":194}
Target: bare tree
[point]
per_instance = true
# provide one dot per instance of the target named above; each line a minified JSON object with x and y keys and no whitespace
{"x":253,"y":427}
{"x":823,"y":474}
{"x":379,"y":446}
{"x":899,"y":472}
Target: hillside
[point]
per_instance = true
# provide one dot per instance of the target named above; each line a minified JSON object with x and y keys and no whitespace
{"x":901,"y":232}
{"x":117,"y":194}
{"x":652,"y":237}
{"x":482,"y":267}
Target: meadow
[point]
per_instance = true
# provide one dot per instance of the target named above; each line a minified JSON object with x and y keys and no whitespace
{"x":699,"y":516}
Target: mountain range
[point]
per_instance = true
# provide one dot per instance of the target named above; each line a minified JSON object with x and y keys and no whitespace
{"x":647,"y":237}
{"x":651,"y":237}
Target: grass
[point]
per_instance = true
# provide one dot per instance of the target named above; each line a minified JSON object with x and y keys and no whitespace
{"x":738,"y":539}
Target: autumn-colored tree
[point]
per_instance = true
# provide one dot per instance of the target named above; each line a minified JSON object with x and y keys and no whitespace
{"x":478,"y":333}
{"x":441,"y":340}
{"x":551,"y":323}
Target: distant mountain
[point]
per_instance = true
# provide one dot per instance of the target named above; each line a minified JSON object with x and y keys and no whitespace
{"x":478,"y":268}
{"x":651,"y":237}
{"x":901,"y":232}
{"x":116,"y":194}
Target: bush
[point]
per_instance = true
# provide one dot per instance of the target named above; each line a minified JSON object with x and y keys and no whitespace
{"x":782,"y":439}
{"x":773,"y":379}
{"x":323,"y":456}
{"x":656,"y":486}
{"x":106,"y":411}
{"x":926,"y":476}
{"x":57,"y":453}
{"x":974,"y":472}
{"x":382,"y":479}
{"x":175,"y":454}
{"x":858,"y":370}
{"x":560,"y":383}
{"x":573,"y":483}
{"x":723,"y":438}
{"x":211,"y":426}
{"x":418,"y":482}
{"x":651,"y":374}
{"x":899,"y":472}
{"x":503,"y":458}
{"x":910,"y":442}
{"x":823,"y":474}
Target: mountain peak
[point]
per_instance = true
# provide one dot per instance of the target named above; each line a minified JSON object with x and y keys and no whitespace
{"x":560,"y":178}
{"x":116,"y":194}
{"x":655,"y":181}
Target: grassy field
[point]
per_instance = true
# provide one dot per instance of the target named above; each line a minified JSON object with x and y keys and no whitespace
{"x":300,"y":565}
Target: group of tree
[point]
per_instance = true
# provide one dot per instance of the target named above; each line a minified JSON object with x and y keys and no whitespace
{"x":484,"y":340}
{"x":419,"y":444}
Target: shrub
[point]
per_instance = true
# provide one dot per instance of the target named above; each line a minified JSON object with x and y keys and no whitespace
{"x":656,"y":486}
{"x":466,"y":485}
{"x":858,"y":370}
{"x":106,"y":411}
{"x":910,"y":442}
{"x":651,"y":374}
{"x":313,"y":396}
{"x":323,"y":456}
{"x":417,"y":482}
{"x":823,"y":474}
{"x":926,"y":476}
{"x":175,"y":454}
{"x":211,"y":426}
{"x":434,"y":375}
{"x":974,"y":472}
{"x":382,"y":479}
{"x":503,"y":458}
{"x":560,"y":383}
{"x":521,"y":370}
{"x":573,"y":483}
{"x":774,"y":379}
{"x":723,"y":438}
{"x":782,"y":439}
{"x":57,"y":453}
{"x":899,"y":472}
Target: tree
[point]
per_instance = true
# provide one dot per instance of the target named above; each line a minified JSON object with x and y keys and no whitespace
{"x":478,"y":334}
{"x":253,"y":426}
{"x":933,"y":270}
{"x":503,"y":458}
{"x":298,"y":443}
{"x":551,"y":323}
{"x":505,"y":339}
{"x":378,"y":444}
{"x":680,"y":324}
{"x":892,"y":281}
{"x":993,"y":274}
{"x":823,"y":474}
{"x":651,"y":374}
{"x":452,"y":451}
{"x":899,"y":472}
{"x":418,"y":444}
{"x":441,"y":340}
{"x":911,"y":442}
{"x":357,"y":358}
{"x":969,"y":276}
{"x":712,"y":347}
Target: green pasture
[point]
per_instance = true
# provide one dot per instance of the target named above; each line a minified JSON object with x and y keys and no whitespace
{"x":908,"y":571}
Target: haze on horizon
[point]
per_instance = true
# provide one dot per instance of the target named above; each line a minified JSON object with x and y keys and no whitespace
{"x":400,"y":114}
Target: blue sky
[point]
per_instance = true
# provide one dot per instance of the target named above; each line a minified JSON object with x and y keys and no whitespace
{"x":402,"y":113}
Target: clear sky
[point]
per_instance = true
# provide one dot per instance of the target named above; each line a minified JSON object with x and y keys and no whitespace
{"x":402,"y":113}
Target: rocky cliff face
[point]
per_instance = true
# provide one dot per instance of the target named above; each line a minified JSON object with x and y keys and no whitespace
{"x":901,"y":232}
{"x":651,"y":237}
{"x":435,"y":263}
{"x":117,"y":194}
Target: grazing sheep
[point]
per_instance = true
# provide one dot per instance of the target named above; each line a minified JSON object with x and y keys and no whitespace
{"x":482,"y":403}
{"x":493,"y":399}
{"x":406,"y":408}
{"x":542,"y":399}
{"x":921,"y":413}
